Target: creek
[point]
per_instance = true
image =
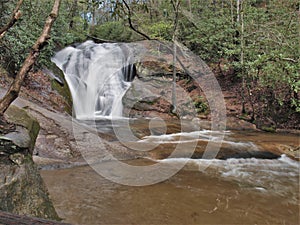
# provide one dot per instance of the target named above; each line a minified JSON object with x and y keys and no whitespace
{"x":240,"y":182}
{"x":237,"y":190}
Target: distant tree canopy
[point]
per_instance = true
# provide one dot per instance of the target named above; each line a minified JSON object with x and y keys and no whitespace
{"x":255,"y":40}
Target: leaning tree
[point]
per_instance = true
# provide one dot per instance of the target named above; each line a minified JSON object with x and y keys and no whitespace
{"x":15,"y":87}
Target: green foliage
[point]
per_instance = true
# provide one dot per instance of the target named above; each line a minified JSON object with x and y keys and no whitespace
{"x":272,"y":51}
{"x":114,"y":31}
{"x":201,"y":105}
{"x":17,"y":42}
{"x":161,"y":30}
{"x":270,"y":66}
{"x":211,"y":29}
{"x":208,"y":31}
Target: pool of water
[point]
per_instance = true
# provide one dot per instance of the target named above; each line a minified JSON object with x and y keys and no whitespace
{"x":228,"y":190}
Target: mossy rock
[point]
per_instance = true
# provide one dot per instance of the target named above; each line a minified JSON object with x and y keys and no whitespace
{"x":21,"y":118}
{"x":23,"y":192}
{"x":268,"y":129}
{"x":62,"y":89}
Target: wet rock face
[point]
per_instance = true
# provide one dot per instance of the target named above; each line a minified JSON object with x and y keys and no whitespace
{"x":151,"y":92}
{"x":22,"y":190}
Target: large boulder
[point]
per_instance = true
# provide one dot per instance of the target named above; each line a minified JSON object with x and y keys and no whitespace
{"x":152,"y":89}
{"x":22,"y":190}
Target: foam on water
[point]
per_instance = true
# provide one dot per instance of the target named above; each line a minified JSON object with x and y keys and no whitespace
{"x":205,"y":134}
{"x":289,"y":161}
{"x":271,"y":176}
{"x":202,"y":135}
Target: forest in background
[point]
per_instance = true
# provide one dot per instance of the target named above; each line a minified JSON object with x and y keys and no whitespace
{"x":253,"y":44}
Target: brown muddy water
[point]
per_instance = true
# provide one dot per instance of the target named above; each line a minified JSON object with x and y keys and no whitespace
{"x":206,"y":191}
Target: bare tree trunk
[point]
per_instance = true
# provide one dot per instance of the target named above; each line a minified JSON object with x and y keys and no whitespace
{"x":241,"y":17}
{"x":15,"y":87}
{"x":73,"y":13}
{"x":231,"y":12}
{"x":176,"y":12}
{"x":150,"y":10}
{"x":94,"y":8}
{"x":240,"y":26}
{"x":174,"y":99}
{"x":15,"y":16}
{"x":238,"y":11}
{"x":190,"y":5}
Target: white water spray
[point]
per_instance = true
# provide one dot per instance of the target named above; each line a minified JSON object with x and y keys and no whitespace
{"x":98,"y":76}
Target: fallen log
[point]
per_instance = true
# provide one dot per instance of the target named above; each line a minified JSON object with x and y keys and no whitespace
{"x":99,"y":40}
{"x":11,"y":219}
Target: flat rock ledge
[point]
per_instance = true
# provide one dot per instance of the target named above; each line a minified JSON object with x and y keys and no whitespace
{"x":22,"y":190}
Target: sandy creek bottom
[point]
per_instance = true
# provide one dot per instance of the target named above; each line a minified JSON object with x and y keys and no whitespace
{"x":81,"y":196}
{"x":231,"y":191}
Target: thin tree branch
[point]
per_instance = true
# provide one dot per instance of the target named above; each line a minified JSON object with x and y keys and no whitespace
{"x":15,"y":16}
{"x":290,"y":60}
{"x":130,"y":21}
{"x":13,"y":91}
{"x":190,"y":17}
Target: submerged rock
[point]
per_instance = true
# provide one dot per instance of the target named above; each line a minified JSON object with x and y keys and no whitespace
{"x":22,"y":190}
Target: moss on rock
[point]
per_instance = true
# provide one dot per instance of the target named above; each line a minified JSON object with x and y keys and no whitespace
{"x":63,"y":90}
{"x":22,"y":119}
{"x":22,"y":190}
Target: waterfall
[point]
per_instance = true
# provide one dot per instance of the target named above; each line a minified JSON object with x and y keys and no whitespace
{"x":98,"y":76}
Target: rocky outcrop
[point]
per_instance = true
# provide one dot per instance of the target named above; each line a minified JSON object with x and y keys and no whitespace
{"x":151,"y":91}
{"x":22,"y":190}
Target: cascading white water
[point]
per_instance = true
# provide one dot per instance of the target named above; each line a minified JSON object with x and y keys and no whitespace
{"x":98,"y":76}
